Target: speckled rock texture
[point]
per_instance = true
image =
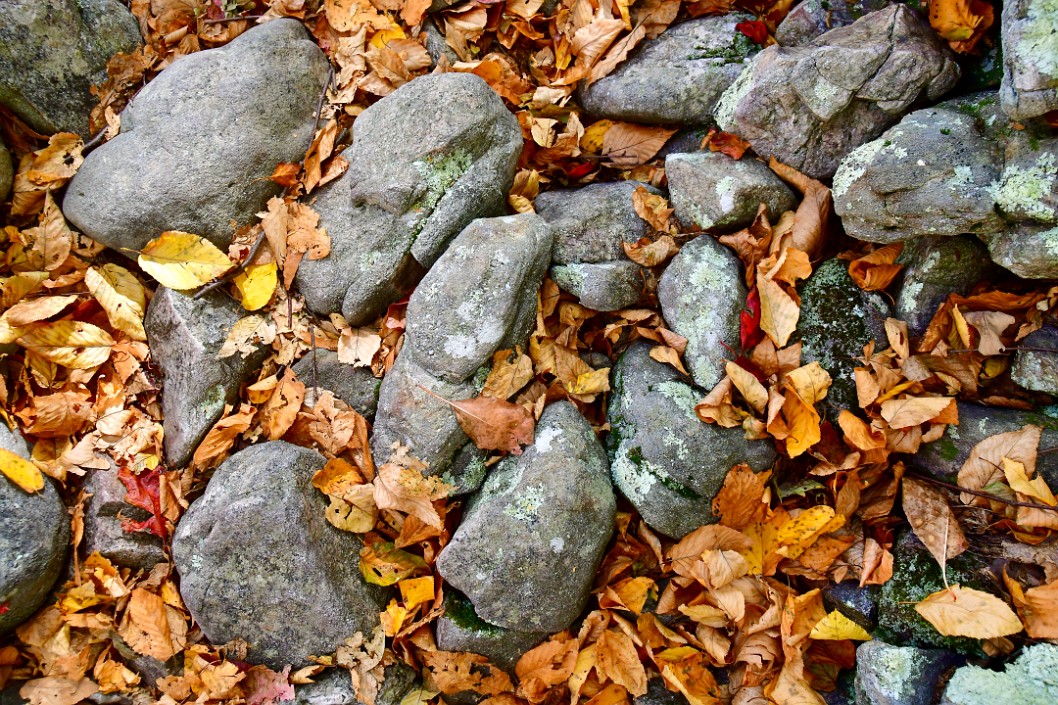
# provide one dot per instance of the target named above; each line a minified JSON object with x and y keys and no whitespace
{"x":608,"y":286}
{"x":53,"y":52}
{"x":531,"y":539}
{"x":712,"y":191}
{"x":402,"y":201}
{"x":809,"y":106}
{"x":185,"y":336}
{"x":103,"y":516}
{"x":1036,"y":364}
{"x":811,"y":18}
{"x":356,"y":386}
{"x":460,"y":629}
{"x":258,"y":560}
{"x":662,"y":457}
{"x":34,"y":535}
{"x":1030,"y":58}
{"x":335,"y":687}
{"x":675,"y":78}
{"x":934,"y":268}
{"x":900,"y":675}
{"x":198,"y":143}
{"x":1028,"y":680}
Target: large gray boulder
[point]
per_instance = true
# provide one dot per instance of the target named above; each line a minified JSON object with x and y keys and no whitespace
{"x":811,"y":18}
{"x":104,"y":511}
{"x":34,"y":535}
{"x":900,"y":675}
{"x":532,"y":537}
{"x":676,"y":78}
{"x":198,"y":143}
{"x":702,"y":294}
{"x":185,"y":335}
{"x":1030,"y":66}
{"x":666,"y":461}
{"x":461,"y":629}
{"x":393,"y":213}
{"x":53,"y":52}
{"x":258,"y":560}
{"x":1028,"y":680}
{"x":356,"y":386}
{"x":934,"y":268}
{"x":809,"y":106}
{"x":1029,"y":251}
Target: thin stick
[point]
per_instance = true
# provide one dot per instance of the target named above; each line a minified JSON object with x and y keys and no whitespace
{"x":453,"y":404}
{"x":237,"y":18}
{"x":315,"y":370}
{"x":319,"y":103}
{"x":94,"y":142}
{"x":978,"y":493}
{"x":233,"y":273}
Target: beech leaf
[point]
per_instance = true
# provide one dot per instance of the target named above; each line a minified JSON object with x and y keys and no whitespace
{"x":959,"y":611}
{"x":183,"y":261}
{"x":495,"y":424}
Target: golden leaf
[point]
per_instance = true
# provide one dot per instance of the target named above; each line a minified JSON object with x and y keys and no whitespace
{"x":72,"y":344}
{"x":959,"y":611}
{"x":20,"y":471}
{"x":415,"y":591}
{"x":746,"y":383}
{"x":183,"y":261}
{"x":913,"y":411}
{"x":836,"y":626}
{"x":257,"y":283}
{"x":121,"y":295}
{"x":779,"y":313}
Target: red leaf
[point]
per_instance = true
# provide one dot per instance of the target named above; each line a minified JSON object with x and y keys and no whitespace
{"x":579,"y":170}
{"x":4,"y":608}
{"x":756,"y":30}
{"x":749,"y":330}
{"x":142,"y":491}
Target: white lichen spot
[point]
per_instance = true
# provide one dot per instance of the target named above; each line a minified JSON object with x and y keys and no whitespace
{"x":1021,"y":191}
{"x":1039,"y":37}
{"x":725,"y":192}
{"x":683,"y":395}
{"x":854,"y":166}
{"x":558,"y":544}
{"x":724,"y":113}
{"x":544,"y":438}
{"x":526,"y":507}
{"x":633,"y":481}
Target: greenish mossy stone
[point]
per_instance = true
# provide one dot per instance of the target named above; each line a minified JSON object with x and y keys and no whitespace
{"x":900,"y":675}
{"x":460,"y":629}
{"x":934,"y":268}
{"x":1032,"y":679}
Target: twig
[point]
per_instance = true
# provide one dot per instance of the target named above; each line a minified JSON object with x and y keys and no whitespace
{"x":453,"y":405}
{"x":979,"y":493}
{"x":315,"y":370}
{"x":226,"y":20}
{"x":233,"y":273}
{"x":94,"y":142}
{"x":319,"y":103}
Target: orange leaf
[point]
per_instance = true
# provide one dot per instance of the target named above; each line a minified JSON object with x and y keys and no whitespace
{"x":495,"y":424}
{"x":875,"y":271}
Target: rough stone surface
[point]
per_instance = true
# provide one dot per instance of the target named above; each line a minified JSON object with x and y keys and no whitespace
{"x":460,"y":629}
{"x":899,"y":675}
{"x":663,"y":458}
{"x":104,"y":511}
{"x":1029,"y":680}
{"x":1037,"y":368}
{"x":198,"y":143}
{"x":675,"y":78}
{"x":34,"y":534}
{"x":393,"y":213}
{"x":658,"y":694}
{"x":356,"y":386}
{"x":1027,"y":190}
{"x":811,"y":18}
{"x":7,"y":171}
{"x":1030,"y":58}
{"x":809,"y":106}
{"x":934,"y":268}
{"x":335,"y":687}
{"x":258,"y":560}
{"x":185,"y":336}
{"x":590,"y":223}
{"x":608,"y":286}
{"x":1029,"y":251}
{"x":702,"y":293}
{"x":532,"y":538}
{"x":53,"y":51}
{"x":712,"y":191}
{"x":480,"y":296}
{"x":837,"y":320}
{"x":859,"y":604}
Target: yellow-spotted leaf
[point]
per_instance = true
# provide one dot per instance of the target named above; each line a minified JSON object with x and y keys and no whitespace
{"x":74,"y":344}
{"x":959,"y":611}
{"x":20,"y":471}
{"x":183,"y":261}
{"x":121,"y":295}
{"x":836,"y":626}
{"x":257,"y":283}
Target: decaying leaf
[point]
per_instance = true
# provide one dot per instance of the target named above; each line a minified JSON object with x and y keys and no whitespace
{"x":932,"y":520}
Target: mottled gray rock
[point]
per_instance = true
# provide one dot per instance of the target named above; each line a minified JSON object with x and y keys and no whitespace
{"x":1028,"y":680}
{"x":258,"y":560}
{"x":658,"y":694}
{"x":436,"y":45}
{"x":533,"y":536}
{"x":676,"y":78}
{"x":1036,"y":363}
{"x":663,"y":458}
{"x":590,"y":223}
{"x":860,"y":604}
{"x":480,"y":296}
{"x":1030,"y":66}
{"x":356,"y":386}
{"x":7,"y":171}
{"x":1029,"y":251}
{"x":702,"y":293}
{"x":185,"y":336}
{"x":335,"y":687}
{"x":809,"y":106}
{"x":837,"y":320}
{"x":608,"y":286}
{"x":53,"y":51}
{"x":899,"y":675}
{"x":811,"y":18}
{"x":104,"y":512}
{"x":1027,"y":190}
{"x":198,"y":143}
{"x":460,"y":629}
{"x":934,"y":268}
{"x":712,"y":191}
{"x":393,"y":213}
{"x":34,"y":534}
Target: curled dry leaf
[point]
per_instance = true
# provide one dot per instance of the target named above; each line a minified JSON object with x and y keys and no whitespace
{"x":959,"y":611}
{"x":984,"y":465}
{"x":876,"y":271}
{"x":121,"y":295}
{"x":914,"y":411}
{"x":454,"y":672}
{"x":628,"y":144}
{"x":654,"y":209}
{"x":407,"y":490}
{"x":546,"y":665}
{"x":647,"y":253}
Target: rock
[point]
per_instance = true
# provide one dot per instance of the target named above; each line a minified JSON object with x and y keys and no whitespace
{"x":712,"y":191}
{"x":663,"y":458}
{"x":809,"y":106}
{"x":53,"y":51}
{"x":356,"y":386}
{"x":1030,"y":69}
{"x":609,"y":286}
{"x":702,"y":293}
{"x":533,"y":536}
{"x":1036,"y":363}
{"x":590,"y":223}
{"x":1027,"y":190}
{"x":811,"y":18}
{"x":934,"y":268}
{"x":860,"y":604}
{"x":10,"y":696}
{"x":658,"y":694}
{"x":393,"y":213}
{"x":7,"y":171}
{"x":335,"y":687}
{"x":198,"y":143}
{"x":837,"y":320}
{"x":185,"y":335}
{"x":460,"y":629}
{"x":480,"y":296}
{"x":436,"y":45}
{"x":900,"y":675}
{"x":675,"y":78}
{"x":1029,"y":251}
{"x":34,"y":535}
{"x":104,"y":512}
{"x":258,"y":560}
{"x":1029,"y":680}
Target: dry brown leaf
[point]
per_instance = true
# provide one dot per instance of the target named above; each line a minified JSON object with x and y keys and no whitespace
{"x":151,"y":627}
{"x":495,"y":424}
{"x":628,"y":144}
{"x":875,"y":271}
{"x":743,"y":498}
{"x":617,"y":659}
{"x":546,"y":665}
{"x":932,"y":520}
{"x":990,"y":326}
{"x":779,"y":313}
{"x":647,"y":253}
{"x":1041,"y":611}
{"x":406,"y":489}
{"x":913,"y":411}
{"x":984,"y":465}
{"x":454,"y":672}
{"x":511,"y":370}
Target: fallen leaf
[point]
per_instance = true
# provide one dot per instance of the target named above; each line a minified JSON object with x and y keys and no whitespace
{"x":616,"y":658}
{"x":382,"y":563}
{"x":913,"y":411}
{"x":495,"y":424}
{"x":257,"y":283}
{"x":875,"y":271}
{"x":932,"y":520}
{"x":416,"y":591}
{"x":407,"y":490}
{"x":779,"y":313}
{"x":183,"y":261}
{"x":628,"y":144}
{"x":454,"y":672}
{"x":836,"y":626}
{"x":73,"y":344}
{"x":647,"y":253}
{"x":511,"y":370}
{"x":53,"y":690}
{"x":990,"y":326}
{"x":984,"y":465}
{"x":34,"y":310}
{"x":546,"y":665}
{"x":121,"y":295}
{"x":959,"y":611}
{"x":21,"y":471}
{"x":751,"y":390}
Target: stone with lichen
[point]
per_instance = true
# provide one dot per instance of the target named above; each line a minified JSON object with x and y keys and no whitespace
{"x":1030,"y":58}
{"x":934,"y":268}
{"x":1028,"y":680}
{"x":1036,"y":362}
{"x":887,"y":674}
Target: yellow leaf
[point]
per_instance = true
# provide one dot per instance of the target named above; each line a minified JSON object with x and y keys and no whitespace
{"x":20,"y":471}
{"x":416,"y":591}
{"x":121,"y":295}
{"x":393,"y":618}
{"x":183,"y":261}
{"x":779,"y":313}
{"x":810,"y":381}
{"x":592,"y":382}
{"x":257,"y":283}
{"x":383,"y":37}
{"x":73,"y":344}
{"x":836,"y":626}
{"x":803,"y":422}
{"x":1019,"y":481}
{"x":706,"y":614}
{"x":801,"y":532}
{"x":752,"y":390}
{"x":959,"y":611}
{"x":591,"y":142}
